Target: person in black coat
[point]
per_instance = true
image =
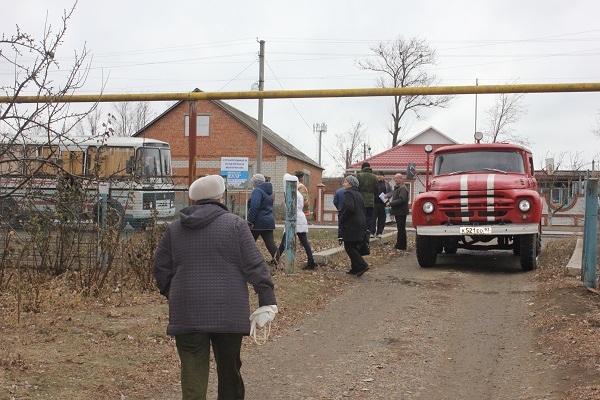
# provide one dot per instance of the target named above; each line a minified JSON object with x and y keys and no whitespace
{"x":378,"y":221}
{"x":353,"y":222}
{"x":399,"y":209}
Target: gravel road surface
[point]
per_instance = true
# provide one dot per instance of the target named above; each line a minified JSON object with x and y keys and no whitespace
{"x":456,"y":331}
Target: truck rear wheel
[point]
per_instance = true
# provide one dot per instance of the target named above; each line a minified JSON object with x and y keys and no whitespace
{"x":426,"y":251}
{"x":530,"y":251}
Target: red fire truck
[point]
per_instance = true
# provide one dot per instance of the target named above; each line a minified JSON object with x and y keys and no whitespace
{"x":480,"y":196}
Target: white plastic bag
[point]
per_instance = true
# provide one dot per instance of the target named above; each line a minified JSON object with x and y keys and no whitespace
{"x":261,"y":317}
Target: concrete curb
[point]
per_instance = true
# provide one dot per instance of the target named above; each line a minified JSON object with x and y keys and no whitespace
{"x":573,"y":267}
{"x":322,"y":257}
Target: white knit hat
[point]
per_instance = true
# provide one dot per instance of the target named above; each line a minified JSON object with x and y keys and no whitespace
{"x":257,"y":179}
{"x":207,"y":187}
{"x":289,"y":177}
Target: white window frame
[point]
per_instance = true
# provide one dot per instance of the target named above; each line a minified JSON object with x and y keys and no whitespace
{"x":202,"y":125}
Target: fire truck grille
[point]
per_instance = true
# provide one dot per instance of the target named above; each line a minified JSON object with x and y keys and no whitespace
{"x":476,"y":207}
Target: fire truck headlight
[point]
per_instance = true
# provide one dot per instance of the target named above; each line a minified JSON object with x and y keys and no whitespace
{"x":524,"y":205}
{"x":428,"y":207}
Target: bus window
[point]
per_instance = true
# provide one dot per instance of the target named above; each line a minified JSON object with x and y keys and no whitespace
{"x":30,"y":161}
{"x":73,"y":162}
{"x":149,"y":165}
{"x":113,"y":161}
{"x":10,"y":160}
{"x":91,"y":164}
{"x":48,"y":160}
{"x":165,"y":156}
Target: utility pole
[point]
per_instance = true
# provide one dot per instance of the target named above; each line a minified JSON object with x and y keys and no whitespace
{"x":322,"y":127}
{"x":365,"y":148}
{"x":261,"y":86}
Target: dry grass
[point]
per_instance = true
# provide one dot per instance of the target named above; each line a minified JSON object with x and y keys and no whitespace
{"x":568,"y":321}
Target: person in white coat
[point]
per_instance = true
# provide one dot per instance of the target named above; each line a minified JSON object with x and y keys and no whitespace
{"x":301,"y":227}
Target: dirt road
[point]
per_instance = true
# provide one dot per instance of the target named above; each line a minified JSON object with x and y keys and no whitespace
{"x":456,"y":331}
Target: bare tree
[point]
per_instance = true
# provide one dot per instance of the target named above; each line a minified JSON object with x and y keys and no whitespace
{"x":349,"y":146}
{"x":37,"y":73}
{"x":130,"y":117}
{"x":91,"y":124}
{"x":502,"y":116}
{"x":403,"y":63}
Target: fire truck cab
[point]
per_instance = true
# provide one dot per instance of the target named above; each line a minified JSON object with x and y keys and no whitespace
{"x":481,"y":196}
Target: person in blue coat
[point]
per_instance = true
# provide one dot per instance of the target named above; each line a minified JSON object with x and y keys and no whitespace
{"x":260,"y":215}
{"x":338,"y":201}
{"x":338,"y":198}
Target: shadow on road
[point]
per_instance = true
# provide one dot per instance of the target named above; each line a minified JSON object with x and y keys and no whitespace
{"x":492,"y":262}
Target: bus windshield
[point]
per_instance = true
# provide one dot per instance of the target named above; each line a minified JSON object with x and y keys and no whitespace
{"x":154,"y":164}
{"x":479,"y":161}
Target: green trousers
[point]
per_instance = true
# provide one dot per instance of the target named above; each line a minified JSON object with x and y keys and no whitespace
{"x":194,"y":353}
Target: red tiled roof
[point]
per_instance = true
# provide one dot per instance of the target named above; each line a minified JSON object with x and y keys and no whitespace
{"x":397,"y":158}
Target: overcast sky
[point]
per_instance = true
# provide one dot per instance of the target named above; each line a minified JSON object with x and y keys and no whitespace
{"x":158,"y":46}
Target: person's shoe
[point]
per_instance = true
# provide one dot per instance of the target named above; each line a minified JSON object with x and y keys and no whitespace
{"x":351,"y":272}
{"x":371,"y":236}
{"x":379,"y":235}
{"x":310,"y":266}
{"x":361,"y":272}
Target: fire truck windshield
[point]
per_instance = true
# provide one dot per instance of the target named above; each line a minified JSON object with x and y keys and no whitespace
{"x":478,"y":161}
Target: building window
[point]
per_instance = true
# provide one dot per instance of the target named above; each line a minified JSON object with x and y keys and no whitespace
{"x":202,"y":125}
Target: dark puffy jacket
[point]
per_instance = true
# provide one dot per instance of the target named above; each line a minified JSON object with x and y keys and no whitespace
{"x":368,"y":185}
{"x":203,"y":265}
{"x":260,"y":208}
{"x":353,"y":219}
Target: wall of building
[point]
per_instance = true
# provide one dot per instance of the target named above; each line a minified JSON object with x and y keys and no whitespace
{"x":228,"y":137}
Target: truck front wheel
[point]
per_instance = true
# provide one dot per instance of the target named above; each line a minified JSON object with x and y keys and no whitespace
{"x":426,"y":251}
{"x":529,"y":251}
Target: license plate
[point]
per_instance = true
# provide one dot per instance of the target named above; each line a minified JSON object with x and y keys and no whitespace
{"x":162,"y":204}
{"x":475,"y":230}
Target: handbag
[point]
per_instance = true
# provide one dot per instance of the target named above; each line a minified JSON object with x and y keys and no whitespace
{"x":364,"y":248}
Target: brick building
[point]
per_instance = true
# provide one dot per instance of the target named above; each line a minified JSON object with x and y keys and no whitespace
{"x":224,"y":131}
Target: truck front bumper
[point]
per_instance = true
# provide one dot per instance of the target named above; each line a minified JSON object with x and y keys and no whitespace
{"x":496,"y":230}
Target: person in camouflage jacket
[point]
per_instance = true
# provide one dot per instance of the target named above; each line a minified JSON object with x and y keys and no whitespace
{"x":368,"y":187}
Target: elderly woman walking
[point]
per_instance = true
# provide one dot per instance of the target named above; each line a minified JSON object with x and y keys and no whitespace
{"x":203,"y":265}
{"x":353,"y":222}
{"x":260,"y":215}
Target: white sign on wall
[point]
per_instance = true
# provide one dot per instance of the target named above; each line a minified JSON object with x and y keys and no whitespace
{"x":235,"y":169}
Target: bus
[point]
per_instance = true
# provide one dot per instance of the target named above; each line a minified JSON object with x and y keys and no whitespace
{"x":46,"y":174}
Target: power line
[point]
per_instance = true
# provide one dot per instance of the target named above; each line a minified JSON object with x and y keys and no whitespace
{"x":298,"y":111}
{"x":251,"y":64}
